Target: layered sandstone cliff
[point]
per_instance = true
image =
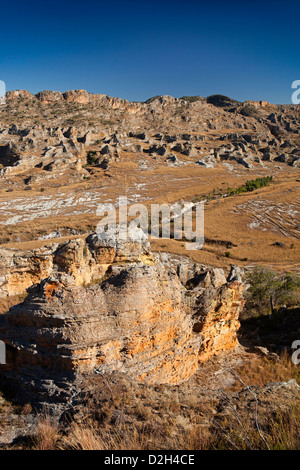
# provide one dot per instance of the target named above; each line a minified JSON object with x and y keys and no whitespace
{"x":150,"y":319}
{"x":86,"y":261}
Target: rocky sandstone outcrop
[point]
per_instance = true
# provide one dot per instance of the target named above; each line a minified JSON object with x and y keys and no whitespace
{"x":93,"y":129}
{"x":150,"y":319}
{"x":86,"y":261}
{"x":16,"y":94}
{"x":19,"y":269}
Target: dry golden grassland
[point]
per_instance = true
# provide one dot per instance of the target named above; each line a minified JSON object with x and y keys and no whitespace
{"x":251,"y":222}
{"x":196,"y":416}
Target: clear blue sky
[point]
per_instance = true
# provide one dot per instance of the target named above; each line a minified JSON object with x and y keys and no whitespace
{"x":138,"y":49}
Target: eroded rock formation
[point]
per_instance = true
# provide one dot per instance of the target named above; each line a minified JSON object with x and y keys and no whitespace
{"x":104,"y":125}
{"x":150,"y":318}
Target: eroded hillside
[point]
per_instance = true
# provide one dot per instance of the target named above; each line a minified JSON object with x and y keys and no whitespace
{"x":62,"y":154}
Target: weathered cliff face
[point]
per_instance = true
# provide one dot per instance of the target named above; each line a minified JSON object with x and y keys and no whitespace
{"x":153,"y":321}
{"x":86,"y":261}
{"x":19,"y":269}
{"x":77,"y":96}
{"x":214,"y":303}
{"x":219,"y":323}
{"x":133,"y":322}
{"x":16,"y":94}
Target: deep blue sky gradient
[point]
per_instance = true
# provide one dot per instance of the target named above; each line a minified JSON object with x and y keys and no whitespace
{"x":135,"y":50}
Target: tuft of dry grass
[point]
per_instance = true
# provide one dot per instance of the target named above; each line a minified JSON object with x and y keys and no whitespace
{"x":230,"y":433}
{"x":47,"y":435}
{"x":88,"y":435}
{"x":238,"y":431}
{"x":262,"y":370}
{"x":85,"y":437}
{"x":285,"y":430}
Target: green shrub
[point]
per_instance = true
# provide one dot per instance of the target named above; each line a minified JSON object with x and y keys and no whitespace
{"x":92,"y":158}
{"x":250,"y":185}
{"x":250,"y":111}
{"x":222,"y":101}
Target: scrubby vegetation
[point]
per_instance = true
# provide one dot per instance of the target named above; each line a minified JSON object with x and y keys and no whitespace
{"x":250,"y":185}
{"x":191,"y":99}
{"x":250,"y":111}
{"x":149,"y":100}
{"x":92,"y":157}
{"x":269,"y":290}
{"x":153,"y":419}
{"x":222,"y":101}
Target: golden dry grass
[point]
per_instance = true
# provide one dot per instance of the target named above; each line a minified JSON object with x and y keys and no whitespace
{"x":239,"y":432}
{"x":225,"y":218}
{"x":259,"y":370}
{"x":227,"y":433}
{"x":47,"y":434}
